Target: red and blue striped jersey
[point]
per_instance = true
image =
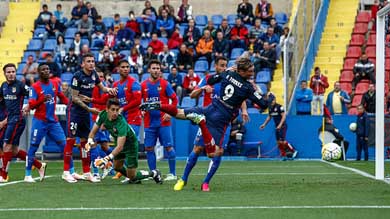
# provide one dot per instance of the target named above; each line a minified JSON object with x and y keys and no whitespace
{"x":208,"y":97}
{"x":44,"y":107}
{"x":129,"y":95}
{"x":96,"y":95}
{"x":13,"y":94}
{"x":159,"y":90}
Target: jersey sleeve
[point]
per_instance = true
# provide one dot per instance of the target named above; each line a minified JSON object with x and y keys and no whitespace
{"x":101,"y":117}
{"x":216,"y":78}
{"x":281,"y":109}
{"x":171,"y":94}
{"x":25,"y":90}
{"x":257,"y":98}
{"x":136,"y":96}
{"x":76,"y":82}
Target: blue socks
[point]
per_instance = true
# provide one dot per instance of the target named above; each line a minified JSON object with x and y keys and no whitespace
{"x":172,"y":161}
{"x":151,"y":156}
{"x":213,"y":167}
{"x":30,"y":158}
{"x":191,"y":161}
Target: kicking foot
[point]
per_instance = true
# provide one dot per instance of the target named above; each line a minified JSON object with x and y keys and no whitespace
{"x":205,"y":187}
{"x":195,"y":117}
{"x":179,"y":185}
{"x":42,"y":172}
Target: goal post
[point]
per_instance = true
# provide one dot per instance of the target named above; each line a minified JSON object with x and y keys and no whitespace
{"x":380,"y":92}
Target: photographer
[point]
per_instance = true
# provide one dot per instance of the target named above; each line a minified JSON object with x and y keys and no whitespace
{"x":236,"y":137}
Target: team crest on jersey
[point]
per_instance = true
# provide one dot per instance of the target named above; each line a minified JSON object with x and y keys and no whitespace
{"x":74,"y":82}
{"x":125,"y":89}
{"x":93,"y":77}
{"x":13,"y":89}
{"x":54,"y":89}
{"x":114,"y":130}
{"x":159,"y":88}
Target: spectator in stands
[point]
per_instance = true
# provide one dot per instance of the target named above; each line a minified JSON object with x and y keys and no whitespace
{"x":257,"y":30}
{"x":106,"y":60}
{"x":184,"y":58}
{"x":61,"y":48}
{"x":368,"y":99}
{"x":190,"y":81}
{"x":84,"y":50}
{"x":363,"y":69}
{"x":98,"y":32}
{"x":278,"y":30}
{"x":184,"y":12}
{"x":70,"y":62}
{"x":225,"y":29}
{"x":60,"y":14}
{"x":149,"y":55}
{"x":76,"y":44}
{"x":239,"y":34}
{"x":124,"y":38}
{"x":165,"y":24}
{"x":43,"y":17}
{"x":220,"y":46}
{"x":66,"y":90}
{"x":210,"y":27}
{"x":303,"y":98}
{"x":146,"y":23}
{"x":55,"y":71}
{"x":116,"y":24}
{"x":236,"y":136}
{"x":205,"y":47}
{"x":254,"y":47}
{"x":264,"y":11}
{"x":166,"y":6}
{"x":176,"y":81}
{"x":337,"y":100}
{"x":283,"y":37}
{"x":362,"y":131}
{"x":133,"y":24}
{"x":175,"y":40}
{"x":148,"y":5}
{"x":138,"y":46}
{"x":339,"y":138}
{"x":167,"y":59}
{"x":77,"y":13}
{"x":156,"y":44}
{"x":245,"y":12}
{"x":319,"y":84}
{"x":266,"y":58}
{"x":54,"y":28}
{"x":109,"y":39}
{"x":30,"y":70}
{"x":136,"y":61}
{"x":85,"y":26}
{"x":92,"y":12}
{"x":191,"y":36}
{"x":270,"y":37}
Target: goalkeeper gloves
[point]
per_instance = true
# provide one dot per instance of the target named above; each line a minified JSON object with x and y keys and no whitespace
{"x":102,"y":162}
{"x":89,"y":144}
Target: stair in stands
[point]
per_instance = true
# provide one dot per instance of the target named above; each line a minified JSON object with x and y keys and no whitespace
{"x":16,"y":33}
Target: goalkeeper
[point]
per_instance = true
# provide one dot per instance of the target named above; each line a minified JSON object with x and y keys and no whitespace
{"x":126,"y":144}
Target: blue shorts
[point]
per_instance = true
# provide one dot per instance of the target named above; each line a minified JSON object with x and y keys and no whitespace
{"x":41,"y":128}
{"x":136,"y":130}
{"x":102,"y":136}
{"x":14,"y":130}
{"x":79,"y":125}
{"x":281,"y":133}
{"x":217,"y":121}
{"x":164,"y":135}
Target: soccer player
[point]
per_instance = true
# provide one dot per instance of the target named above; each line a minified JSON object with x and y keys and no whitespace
{"x":276,"y":112}
{"x":214,"y":119}
{"x":158,"y":124}
{"x":126,"y":142}
{"x":3,"y":126}
{"x":13,"y":93}
{"x":43,"y":98}
{"x":79,"y":121}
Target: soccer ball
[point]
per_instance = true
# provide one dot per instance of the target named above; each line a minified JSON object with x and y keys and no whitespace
{"x":331,"y":151}
{"x":352,"y":126}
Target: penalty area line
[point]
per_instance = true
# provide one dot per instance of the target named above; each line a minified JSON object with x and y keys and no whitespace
{"x":200,"y":208}
{"x":20,"y":181}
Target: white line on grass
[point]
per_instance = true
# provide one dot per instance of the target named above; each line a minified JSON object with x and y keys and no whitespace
{"x":19,"y":181}
{"x":201,"y":208}
{"x":259,"y":173}
{"x":362,"y":173}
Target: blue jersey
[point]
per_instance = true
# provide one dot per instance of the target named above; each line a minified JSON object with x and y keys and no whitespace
{"x":13,"y":95}
{"x":234,"y":90}
{"x":84,"y":84}
{"x":276,"y":112}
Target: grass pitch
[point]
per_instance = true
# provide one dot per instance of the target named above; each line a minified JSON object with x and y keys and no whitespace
{"x":246,"y":189}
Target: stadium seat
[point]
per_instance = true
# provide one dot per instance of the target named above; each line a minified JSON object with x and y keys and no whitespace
{"x":357,"y":99}
{"x":144,"y":43}
{"x":108,"y":21}
{"x":145,"y":76}
{"x":354,"y":52}
{"x":182,"y":29}
{"x":349,"y":64}
{"x":97,"y":44}
{"x":281,"y":18}
{"x":357,"y":40}
{"x":346,"y":76}
{"x":361,"y":87}
{"x":165,"y":76}
{"x":360,"y":28}
{"x":39,"y":33}
{"x":217,"y":19}
{"x":66,"y":77}
{"x":188,"y":102}
{"x":27,"y":53}
{"x":231,"y":63}
{"x":164,"y":40}
{"x":115,"y":77}
{"x":231,"y":18}
{"x":135,"y":76}
{"x":371,"y":51}
{"x":263,"y":76}
{"x":371,"y":40}
{"x":363,"y":17}
{"x":236,"y":52}
{"x":200,"y":101}
{"x":84,"y":42}
{"x":201,"y":20}
{"x":183,"y":75}
{"x":124,"y":19}
{"x":212,"y":67}
{"x":34,"y":45}
{"x":70,"y":32}
{"x":50,"y":45}
{"x":200,"y":74}
{"x":263,"y":87}
{"x":20,"y":68}
{"x":125,"y":53}
{"x":201,"y":66}
{"x":352,"y":111}
{"x":346,"y":86}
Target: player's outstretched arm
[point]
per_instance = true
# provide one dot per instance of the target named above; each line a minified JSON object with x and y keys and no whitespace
{"x":265,"y":122}
{"x":77,"y":100}
{"x":111,"y":91}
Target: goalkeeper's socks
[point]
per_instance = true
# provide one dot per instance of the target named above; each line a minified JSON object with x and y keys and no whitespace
{"x":122,"y":171}
{"x":191,"y":161}
{"x":172,"y":161}
{"x":213,"y":167}
{"x":94,"y":156}
{"x":151,"y":156}
{"x":68,"y":153}
{"x":30,"y":159}
{"x":85,"y":158}
{"x":143,"y":174}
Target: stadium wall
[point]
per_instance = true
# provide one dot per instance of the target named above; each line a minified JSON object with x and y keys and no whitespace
{"x":311,"y":51}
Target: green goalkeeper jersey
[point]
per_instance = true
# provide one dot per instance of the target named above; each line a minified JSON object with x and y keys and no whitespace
{"x":118,"y":128}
